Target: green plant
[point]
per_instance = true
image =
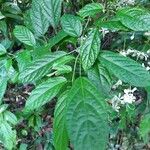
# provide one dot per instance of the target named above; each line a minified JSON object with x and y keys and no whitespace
{"x":68,"y":60}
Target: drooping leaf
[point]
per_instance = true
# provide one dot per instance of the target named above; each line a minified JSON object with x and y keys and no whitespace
{"x":100,"y":77}
{"x":91,"y":9}
{"x":24,"y":35}
{"x":39,"y":21}
{"x":89,"y":50}
{"x":1,"y":16}
{"x":2,"y":50}
{"x":52,"y":10}
{"x":60,"y":131}
{"x":3,"y":86}
{"x":42,"y":66}
{"x":125,"y":69}
{"x":86,"y":117}
{"x":8,"y":135}
{"x":43,"y":93}
{"x":71,"y":25}
{"x":136,"y":19}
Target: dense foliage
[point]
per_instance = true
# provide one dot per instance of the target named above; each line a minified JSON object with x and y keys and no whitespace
{"x":74,"y":74}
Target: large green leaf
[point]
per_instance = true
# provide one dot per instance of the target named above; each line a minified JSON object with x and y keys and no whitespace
{"x":90,"y":9}
{"x":60,"y":132}
{"x":2,"y":50}
{"x":43,"y":93}
{"x":125,"y":69}
{"x":3,"y":85}
{"x":39,"y":21}
{"x":24,"y":35}
{"x":42,"y":66}
{"x":52,"y":10}
{"x":100,"y":77}
{"x":89,"y":50}
{"x":86,"y":117}
{"x":137,"y":19}
{"x":71,"y":25}
{"x":7,"y":135}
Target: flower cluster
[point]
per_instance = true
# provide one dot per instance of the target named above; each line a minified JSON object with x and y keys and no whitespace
{"x":135,"y":53}
{"x":126,"y":2}
{"x":127,"y":98}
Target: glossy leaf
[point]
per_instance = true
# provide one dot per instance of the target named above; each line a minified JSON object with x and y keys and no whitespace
{"x":60,"y":132}
{"x":40,"y":67}
{"x":24,"y":35}
{"x":71,"y":25}
{"x":43,"y":93}
{"x":90,"y":48}
{"x":125,"y":69}
{"x":39,"y":21}
{"x":52,"y":10}
{"x":86,"y":117}
{"x":91,"y":9}
{"x":136,"y":19}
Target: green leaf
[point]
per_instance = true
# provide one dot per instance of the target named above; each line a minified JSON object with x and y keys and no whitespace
{"x":125,"y":69}
{"x":57,"y":38}
{"x":2,"y":50}
{"x":52,"y":10}
{"x":136,"y":19}
{"x":39,"y":68}
{"x":3,"y":86}
{"x":24,"y":35}
{"x":23,"y":59}
{"x":100,"y":77}
{"x":1,"y":16}
{"x":114,"y":25}
{"x":89,"y":50}
{"x":86,"y":117}
{"x":71,"y":25}
{"x":62,"y":69}
{"x":91,"y":9}
{"x":43,"y":93}
{"x":144,"y":129}
{"x":10,"y":117}
{"x":8,"y":136}
{"x":39,"y":20}
{"x":60,"y":132}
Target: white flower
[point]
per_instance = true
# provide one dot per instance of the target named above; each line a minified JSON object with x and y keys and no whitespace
{"x":128,"y":96}
{"x":146,"y":67}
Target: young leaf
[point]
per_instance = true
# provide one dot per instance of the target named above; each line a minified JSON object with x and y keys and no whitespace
{"x":39,"y":20}
{"x":43,"y":93}
{"x":136,"y":19}
{"x":89,"y":50}
{"x":52,"y":10}
{"x":2,"y":50}
{"x":41,"y":67}
{"x":100,"y":77}
{"x":71,"y":25}
{"x":60,"y":132}
{"x":3,"y":86}
{"x":24,"y":35}
{"x":91,"y":9}
{"x":86,"y":117}
{"x":125,"y":69}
